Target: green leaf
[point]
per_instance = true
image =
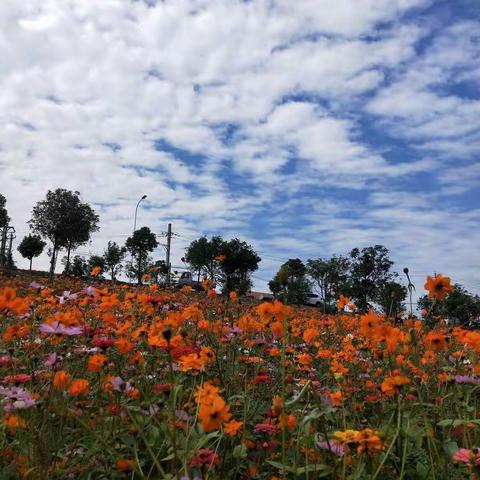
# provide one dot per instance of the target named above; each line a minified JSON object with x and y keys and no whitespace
{"x":240,"y":451}
{"x":450,"y":448}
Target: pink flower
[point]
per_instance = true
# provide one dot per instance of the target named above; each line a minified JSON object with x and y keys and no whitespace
{"x":464,"y":455}
{"x":56,"y":328}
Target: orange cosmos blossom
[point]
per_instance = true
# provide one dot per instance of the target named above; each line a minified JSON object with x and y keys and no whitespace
{"x":95,"y":362}
{"x":12,"y":422}
{"x":213,"y":411}
{"x":391,"y":385}
{"x":78,"y":387}
{"x":95,"y":271}
{"x":10,"y":302}
{"x":370,"y":324}
{"x":438,"y":287}
{"x":435,"y":341}
{"x":232,"y":427}
{"x":61,"y":379}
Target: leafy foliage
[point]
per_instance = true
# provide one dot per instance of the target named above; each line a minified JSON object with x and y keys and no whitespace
{"x":4,"y":218}
{"x":329,"y":276}
{"x":31,"y":246}
{"x":64,"y":220}
{"x":369,"y":272}
{"x":113,"y":257}
{"x":139,"y":245}
{"x":460,"y":307}
{"x":290,"y":283}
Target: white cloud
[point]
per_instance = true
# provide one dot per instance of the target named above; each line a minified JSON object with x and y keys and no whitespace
{"x":264,"y":98}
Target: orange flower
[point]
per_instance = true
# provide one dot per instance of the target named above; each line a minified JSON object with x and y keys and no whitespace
{"x":213,"y":411}
{"x":391,"y":385}
{"x":232,"y":427}
{"x":336,"y":398}
{"x":370,"y":324}
{"x":438,"y":287}
{"x":233,"y":296}
{"x":95,"y":362}
{"x":435,"y":341}
{"x":95,"y":271}
{"x":124,"y":465}
{"x":10,"y":302}
{"x":61,"y":379}
{"x":12,"y":422}
{"x":368,"y":441}
{"x":343,"y":302}
{"x":78,"y":387}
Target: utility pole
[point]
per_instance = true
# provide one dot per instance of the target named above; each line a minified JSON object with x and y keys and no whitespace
{"x":169,"y":242}
{"x":3,"y":245}
{"x":8,"y":233}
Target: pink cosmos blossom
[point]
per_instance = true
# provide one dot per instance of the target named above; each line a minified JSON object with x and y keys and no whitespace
{"x":56,"y":328}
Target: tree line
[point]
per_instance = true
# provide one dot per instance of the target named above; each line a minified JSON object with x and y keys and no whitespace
{"x":365,"y":275}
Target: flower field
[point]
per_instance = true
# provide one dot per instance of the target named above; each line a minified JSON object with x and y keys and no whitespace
{"x":102,"y":382}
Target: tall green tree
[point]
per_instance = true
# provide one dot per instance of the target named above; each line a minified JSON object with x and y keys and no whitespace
{"x":202,"y":256}
{"x":329,"y":277}
{"x":4,"y":218}
{"x":291,"y":282}
{"x":369,"y":272}
{"x":238,"y":260}
{"x":460,"y":307}
{"x":64,"y":220}
{"x":31,"y":246}
{"x":114,"y":256}
{"x":139,"y":245}
{"x":78,"y":267}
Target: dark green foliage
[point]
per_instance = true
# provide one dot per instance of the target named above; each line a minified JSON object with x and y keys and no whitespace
{"x":202,"y":256}
{"x":459,"y":307}
{"x":64,"y":220}
{"x":391,"y":297}
{"x":31,"y":246}
{"x":4,"y":218}
{"x":139,"y":245}
{"x":369,"y":272}
{"x":291,"y":283}
{"x":330,"y":277}
{"x":237,"y":264}
{"x":113,"y":257}
{"x":229,"y":263}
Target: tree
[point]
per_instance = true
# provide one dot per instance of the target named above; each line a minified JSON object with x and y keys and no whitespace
{"x":369,"y":271}
{"x":4,"y":218}
{"x":391,"y":297}
{"x":31,"y":246}
{"x":237,"y":262}
{"x":460,"y":307}
{"x":82,"y":223}
{"x":140,"y":244}
{"x":202,"y":256}
{"x":78,"y":267}
{"x":64,"y":220}
{"x":329,"y":276}
{"x":291,"y":281}
{"x":114,"y":256}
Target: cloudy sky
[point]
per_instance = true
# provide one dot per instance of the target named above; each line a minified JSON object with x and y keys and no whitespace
{"x":305,"y":127}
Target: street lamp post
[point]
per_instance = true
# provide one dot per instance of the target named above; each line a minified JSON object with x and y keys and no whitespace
{"x":136,"y":209}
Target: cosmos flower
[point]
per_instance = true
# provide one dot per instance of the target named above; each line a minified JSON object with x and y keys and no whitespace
{"x":56,"y":328}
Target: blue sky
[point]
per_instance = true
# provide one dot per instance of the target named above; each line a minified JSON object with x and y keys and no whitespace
{"x":306,"y":128}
